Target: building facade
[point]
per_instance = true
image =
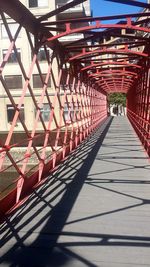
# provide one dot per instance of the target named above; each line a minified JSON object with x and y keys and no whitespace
{"x":12,"y":73}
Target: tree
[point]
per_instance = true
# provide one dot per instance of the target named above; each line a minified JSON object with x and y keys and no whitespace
{"x":117,"y":98}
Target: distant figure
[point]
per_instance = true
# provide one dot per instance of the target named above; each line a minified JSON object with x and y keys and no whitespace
{"x":120,"y":110}
{"x":115,"y":110}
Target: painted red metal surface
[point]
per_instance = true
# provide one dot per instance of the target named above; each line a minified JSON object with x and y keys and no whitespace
{"x":112,"y":64}
{"x":139,"y":104}
{"x":98,"y":25}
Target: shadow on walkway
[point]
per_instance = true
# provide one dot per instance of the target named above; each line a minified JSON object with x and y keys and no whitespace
{"x":30,"y":235}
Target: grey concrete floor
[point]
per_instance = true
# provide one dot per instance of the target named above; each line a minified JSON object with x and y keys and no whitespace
{"x":93,"y":211}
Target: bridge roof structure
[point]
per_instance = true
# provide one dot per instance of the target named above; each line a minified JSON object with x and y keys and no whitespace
{"x":96,"y":58}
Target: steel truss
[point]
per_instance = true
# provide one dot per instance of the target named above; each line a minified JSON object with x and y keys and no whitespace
{"x":81,"y":77}
{"x":139,"y":104}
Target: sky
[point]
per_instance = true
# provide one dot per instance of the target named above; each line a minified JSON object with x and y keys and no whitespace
{"x":103,"y":8}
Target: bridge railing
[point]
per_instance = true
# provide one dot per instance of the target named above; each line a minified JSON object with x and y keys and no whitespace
{"x":48,"y":110}
{"x":138,"y":99}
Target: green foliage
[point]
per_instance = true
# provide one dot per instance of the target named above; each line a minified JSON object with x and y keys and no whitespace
{"x":117,"y":98}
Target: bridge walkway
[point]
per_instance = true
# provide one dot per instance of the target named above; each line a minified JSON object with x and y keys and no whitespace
{"x":93,"y":211}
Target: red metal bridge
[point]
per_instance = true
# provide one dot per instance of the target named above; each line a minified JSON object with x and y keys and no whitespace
{"x":75,"y":85}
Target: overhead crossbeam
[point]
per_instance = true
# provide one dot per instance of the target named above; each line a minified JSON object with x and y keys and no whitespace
{"x":112,"y":64}
{"x":76,"y":48}
{"x":111,"y":73}
{"x":98,"y":25}
{"x":97,"y":52}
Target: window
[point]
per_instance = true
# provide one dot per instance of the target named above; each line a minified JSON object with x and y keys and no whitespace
{"x":38,"y":3}
{"x":64,"y":79}
{"x":69,"y":113}
{"x":33,"y":3}
{"x":66,"y":112}
{"x":41,"y":55}
{"x":13,"y":81}
{"x":13,"y":27}
{"x":37,"y":83}
{"x":129,"y":31}
{"x":11,"y":113}
{"x":12,"y":58}
{"x":64,"y":76}
{"x":45,"y":111}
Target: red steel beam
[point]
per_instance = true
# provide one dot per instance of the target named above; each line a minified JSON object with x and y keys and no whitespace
{"x":111,"y":63}
{"x":99,"y":25}
{"x":114,"y":51}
